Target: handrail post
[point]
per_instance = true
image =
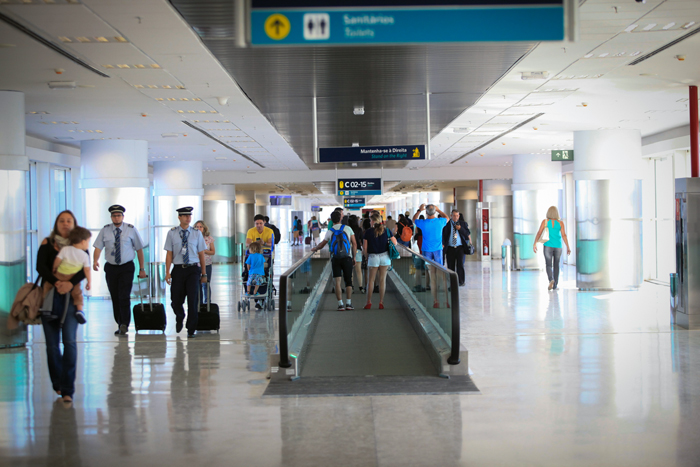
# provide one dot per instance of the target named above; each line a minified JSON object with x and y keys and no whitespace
{"x":284,"y":345}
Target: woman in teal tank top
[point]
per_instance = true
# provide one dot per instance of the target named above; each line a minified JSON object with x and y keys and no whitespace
{"x":553,"y":247}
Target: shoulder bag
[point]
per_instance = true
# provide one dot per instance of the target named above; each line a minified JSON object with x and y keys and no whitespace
{"x":393,"y":252}
{"x":544,"y":238}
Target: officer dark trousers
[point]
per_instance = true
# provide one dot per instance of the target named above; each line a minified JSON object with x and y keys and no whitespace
{"x":119,"y":282}
{"x":455,"y":261}
{"x":185,"y":283}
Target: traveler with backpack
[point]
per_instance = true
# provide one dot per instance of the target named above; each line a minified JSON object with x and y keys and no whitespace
{"x":343,"y":248}
{"x":274,"y":229}
{"x":297,"y":231}
{"x":404,"y":232}
{"x":376,"y":249}
{"x":315,"y":229}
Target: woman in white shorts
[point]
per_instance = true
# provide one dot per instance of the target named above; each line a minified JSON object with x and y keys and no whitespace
{"x":375,"y":247}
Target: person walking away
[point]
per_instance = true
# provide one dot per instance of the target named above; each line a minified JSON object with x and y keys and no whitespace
{"x":71,"y":260}
{"x":185,"y":252}
{"x":431,"y":227}
{"x":404,"y":231}
{"x":204,"y":297}
{"x":274,"y":229}
{"x":553,"y":248}
{"x":354,"y":224}
{"x":455,"y":238}
{"x":315,"y":228}
{"x":376,"y":250}
{"x":295,"y":231}
{"x":121,"y":243}
{"x":256,"y":267}
{"x":390,"y":224}
{"x":341,"y":241}
{"x":61,"y":364}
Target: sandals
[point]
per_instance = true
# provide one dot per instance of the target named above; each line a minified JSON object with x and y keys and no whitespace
{"x":368,"y":306}
{"x":436,"y":305}
{"x":381,"y":306}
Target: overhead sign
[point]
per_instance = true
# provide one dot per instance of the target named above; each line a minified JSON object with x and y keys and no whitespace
{"x":359,"y":186}
{"x":276,"y":23}
{"x":354,"y":203}
{"x":372,"y":153}
{"x":565,"y":155}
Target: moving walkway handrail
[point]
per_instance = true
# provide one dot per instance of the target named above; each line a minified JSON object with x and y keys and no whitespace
{"x":454,"y":292}
{"x":284,"y":343}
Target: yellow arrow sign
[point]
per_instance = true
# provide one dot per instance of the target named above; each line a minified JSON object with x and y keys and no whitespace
{"x":277,"y":26}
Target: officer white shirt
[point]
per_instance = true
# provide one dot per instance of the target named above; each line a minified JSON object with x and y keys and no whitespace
{"x":130,"y":242}
{"x":195,"y":244}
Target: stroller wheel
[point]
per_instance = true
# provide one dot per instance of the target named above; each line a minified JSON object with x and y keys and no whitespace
{"x":272,"y":305}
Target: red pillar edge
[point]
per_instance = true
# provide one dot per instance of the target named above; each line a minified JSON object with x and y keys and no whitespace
{"x":481,"y":191}
{"x":694,"y":163}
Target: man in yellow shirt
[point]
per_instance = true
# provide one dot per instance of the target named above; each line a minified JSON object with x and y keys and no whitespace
{"x":260,"y":233}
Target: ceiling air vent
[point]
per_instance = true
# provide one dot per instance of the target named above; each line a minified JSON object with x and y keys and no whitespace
{"x":664,"y":47}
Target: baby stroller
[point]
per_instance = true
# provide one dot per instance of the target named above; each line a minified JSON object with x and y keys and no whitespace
{"x":264,"y":299}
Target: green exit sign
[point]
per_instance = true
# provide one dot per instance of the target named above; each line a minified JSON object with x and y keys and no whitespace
{"x":563,"y":155}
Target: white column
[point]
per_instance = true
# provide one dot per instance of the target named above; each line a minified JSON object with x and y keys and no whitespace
{"x":536,"y":186}
{"x":245,"y":212}
{"x":13,"y":208}
{"x":115,"y":172}
{"x":219,"y":207}
{"x":607,"y":174}
{"x":175,"y":184}
{"x":262,"y":204}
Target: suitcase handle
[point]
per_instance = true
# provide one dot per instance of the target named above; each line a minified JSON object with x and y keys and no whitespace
{"x":199,"y":292}
{"x":141,"y":295}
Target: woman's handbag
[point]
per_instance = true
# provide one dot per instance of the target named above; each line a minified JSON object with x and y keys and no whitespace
{"x":393,"y":252}
{"x":544,"y":238}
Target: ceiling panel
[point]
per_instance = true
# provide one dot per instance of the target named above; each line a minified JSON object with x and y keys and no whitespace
{"x":390,"y":82}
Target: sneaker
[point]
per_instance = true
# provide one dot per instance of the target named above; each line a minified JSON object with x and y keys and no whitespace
{"x":258,"y":306}
{"x":551,"y":285}
{"x":348,"y":306}
{"x":363,"y":290}
{"x":341,"y":307}
{"x":80,"y":317}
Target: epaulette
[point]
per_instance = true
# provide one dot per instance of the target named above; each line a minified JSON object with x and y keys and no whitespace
{"x":129,"y":225}
{"x":107,"y":225}
{"x":173,"y":229}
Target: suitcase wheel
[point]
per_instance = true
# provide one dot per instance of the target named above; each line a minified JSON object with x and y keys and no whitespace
{"x":272,"y":305}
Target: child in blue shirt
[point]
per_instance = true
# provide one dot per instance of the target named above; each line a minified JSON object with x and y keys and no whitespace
{"x":256,"y":267}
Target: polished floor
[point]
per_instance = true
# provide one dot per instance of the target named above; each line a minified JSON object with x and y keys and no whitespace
{"x":567,"y":378}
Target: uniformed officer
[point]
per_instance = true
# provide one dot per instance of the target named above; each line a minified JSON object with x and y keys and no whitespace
{"x":120,"y":241}
{"x":185,"y":251}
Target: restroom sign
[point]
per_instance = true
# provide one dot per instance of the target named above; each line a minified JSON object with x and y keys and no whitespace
{"x":317,"y":26}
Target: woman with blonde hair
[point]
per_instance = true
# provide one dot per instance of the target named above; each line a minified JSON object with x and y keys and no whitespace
{"x":208,"y":253}
{"x":553,"y":246}
{"x":375,"y":247}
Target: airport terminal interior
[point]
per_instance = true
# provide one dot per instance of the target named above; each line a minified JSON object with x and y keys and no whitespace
{"x":496,"y":110}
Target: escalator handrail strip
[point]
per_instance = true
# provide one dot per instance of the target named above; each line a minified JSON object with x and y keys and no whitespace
{"x":454,"y":292}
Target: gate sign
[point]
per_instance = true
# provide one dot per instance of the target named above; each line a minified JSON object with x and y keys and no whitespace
{"x":284,"y":22}
{"x":372,"y":153}
{"x":359,"y":186}
{"x":354,"y":203}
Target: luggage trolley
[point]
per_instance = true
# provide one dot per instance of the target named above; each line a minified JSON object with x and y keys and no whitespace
{"x":266,"y":291}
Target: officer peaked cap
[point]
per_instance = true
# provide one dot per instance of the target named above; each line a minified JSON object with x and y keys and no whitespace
{"x":116,"y":208}
{"x":185,"y":211}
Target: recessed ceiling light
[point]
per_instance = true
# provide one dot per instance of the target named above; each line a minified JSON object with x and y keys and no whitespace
{"x":83,"y":39}
{"x":603,"y":55}
{"x":120,"y":39}
{"x":649,"y":27}
{"x":589,"y":55}
{"x":634,"y":54}
{"x":688,"y":25}
{"x":155,"y":65}
{"x":668,"y":26}
{"x":631,"y":27}
{"x":101,"y":39}
{"x":139,"y":66}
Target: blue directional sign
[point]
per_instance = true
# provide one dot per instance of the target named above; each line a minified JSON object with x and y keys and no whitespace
{"x":372,"y":153}
{"x":280,"y":23}
{"x":354,"y":203}
{"x":359,"y":186}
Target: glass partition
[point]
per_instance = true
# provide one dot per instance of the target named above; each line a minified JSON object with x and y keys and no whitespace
{"x":435,"y":288}
{"x":298,"y":288}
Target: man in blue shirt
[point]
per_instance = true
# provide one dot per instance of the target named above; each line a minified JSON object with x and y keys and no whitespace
{"x":185,"y":252}
{"x":431,"y":227}
{"x":121,"y":243}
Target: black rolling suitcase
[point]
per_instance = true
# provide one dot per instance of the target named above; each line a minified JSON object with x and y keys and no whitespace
{"x":209,"y":319}
{"x":149,"y":316}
